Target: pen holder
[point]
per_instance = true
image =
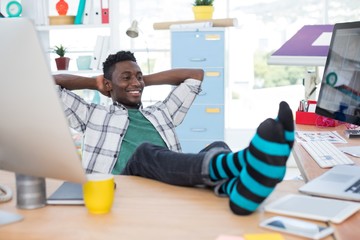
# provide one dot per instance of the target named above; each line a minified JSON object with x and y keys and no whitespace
{"x":307,"y":118}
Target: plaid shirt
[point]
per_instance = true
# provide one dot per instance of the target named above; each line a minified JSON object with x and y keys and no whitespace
{"x":104,"y":127}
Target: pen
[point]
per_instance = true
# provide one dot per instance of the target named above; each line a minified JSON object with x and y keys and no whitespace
{"x":301,"y":106}
{"x":306,"y":106}
{"x":312,"y":91}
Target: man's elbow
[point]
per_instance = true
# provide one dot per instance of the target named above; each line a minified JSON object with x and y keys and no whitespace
{"x":199,"y":74}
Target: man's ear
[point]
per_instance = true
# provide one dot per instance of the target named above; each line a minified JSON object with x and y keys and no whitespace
{"x":108,"y":84}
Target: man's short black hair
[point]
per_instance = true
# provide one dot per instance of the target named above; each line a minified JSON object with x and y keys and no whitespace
{"x":112,"y":59}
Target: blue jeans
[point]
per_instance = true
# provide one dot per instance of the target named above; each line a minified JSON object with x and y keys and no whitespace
{"x":183,"y":169}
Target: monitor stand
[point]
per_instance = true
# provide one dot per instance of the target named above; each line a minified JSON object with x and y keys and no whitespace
{"x":7,"y":217}
{"x":30,"y":191}
{"x":31,"y":194}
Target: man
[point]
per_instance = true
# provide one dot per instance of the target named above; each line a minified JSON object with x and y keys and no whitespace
{"x":125,"y":138}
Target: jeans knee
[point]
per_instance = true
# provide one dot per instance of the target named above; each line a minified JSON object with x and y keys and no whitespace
{"x":221,"y":144}
{"x":217,"y":144}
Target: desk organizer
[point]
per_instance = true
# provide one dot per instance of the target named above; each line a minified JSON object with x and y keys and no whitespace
{"x":311,"y":118}
{"x":307,"y":118}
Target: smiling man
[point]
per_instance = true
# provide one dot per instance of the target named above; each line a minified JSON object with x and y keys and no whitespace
{"x":126,"y":138}
{"x":112,"y":133}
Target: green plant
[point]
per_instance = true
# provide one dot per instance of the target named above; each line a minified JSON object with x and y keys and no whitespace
{"x":60,"y":50}
{"x":203,"y":2}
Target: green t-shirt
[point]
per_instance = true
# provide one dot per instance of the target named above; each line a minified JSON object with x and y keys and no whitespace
{"x":140,"y":130}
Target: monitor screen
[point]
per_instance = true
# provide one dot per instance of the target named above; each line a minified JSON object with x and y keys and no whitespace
{"x":35,"y":138}
{"x":339,"y":95}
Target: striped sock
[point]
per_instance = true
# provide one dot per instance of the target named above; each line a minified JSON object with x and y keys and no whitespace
{"x":226,"y":165}
{"x":229,"y":165}
{"x":253,"y":173}
{"x":285,"y":117}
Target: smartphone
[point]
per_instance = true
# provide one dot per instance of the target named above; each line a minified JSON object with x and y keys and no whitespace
{"x":297,"y":227}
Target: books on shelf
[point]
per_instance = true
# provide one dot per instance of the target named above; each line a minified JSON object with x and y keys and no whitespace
{"x":88,"y":12}
{"x":101,"y":51}
{"x":93,"y":12}
{"x":96,"y":11}
{"x":104,"y":11}
{"x":104,"y":51}
{"x":80,"y":12}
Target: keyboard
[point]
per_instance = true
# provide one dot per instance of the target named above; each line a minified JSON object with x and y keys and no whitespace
{"x":352,"y":133}
{"x":325,"y":154}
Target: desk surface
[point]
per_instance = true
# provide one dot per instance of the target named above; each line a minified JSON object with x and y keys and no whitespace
{"x":143,"y":209}
{"x":310,"y":169}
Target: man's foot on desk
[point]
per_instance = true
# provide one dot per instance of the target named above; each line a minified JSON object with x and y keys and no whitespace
{"x":263,"y":145}
{"x":253,"y":173}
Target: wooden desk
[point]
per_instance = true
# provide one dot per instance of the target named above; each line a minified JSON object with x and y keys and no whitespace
{"x":143,"y":209}
{"x":309,"y":169}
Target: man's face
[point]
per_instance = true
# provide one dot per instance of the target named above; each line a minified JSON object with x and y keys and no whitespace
{"x":127,"y":84}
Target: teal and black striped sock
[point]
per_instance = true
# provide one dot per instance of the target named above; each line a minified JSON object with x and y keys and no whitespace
{"x":229,"y":165}
{"x":285,"y":117}
{"x":226,"y":165}
{"x":252,"y":173}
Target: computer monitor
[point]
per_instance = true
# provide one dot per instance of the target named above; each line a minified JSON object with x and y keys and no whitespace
{"x":339,"y":95}
{"x":35,"y":138}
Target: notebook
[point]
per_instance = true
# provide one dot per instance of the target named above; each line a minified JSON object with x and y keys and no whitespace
{"x":67,"y":194}
{"x":341,"y":182}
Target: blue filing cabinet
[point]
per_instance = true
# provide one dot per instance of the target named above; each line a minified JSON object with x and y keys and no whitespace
{"x":202,"y":48}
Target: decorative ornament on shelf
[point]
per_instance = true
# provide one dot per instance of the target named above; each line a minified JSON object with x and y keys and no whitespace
{"x":62,"y":7}
{"x":62,"y":62}
{"x":62,"y":19}
{"x":203,"y":9}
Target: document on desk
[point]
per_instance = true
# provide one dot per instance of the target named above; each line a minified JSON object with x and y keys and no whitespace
{"x":67,"y":194}
{"x":307,"y":136}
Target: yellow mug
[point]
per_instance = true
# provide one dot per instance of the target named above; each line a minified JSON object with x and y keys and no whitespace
{"x":99,"y":192}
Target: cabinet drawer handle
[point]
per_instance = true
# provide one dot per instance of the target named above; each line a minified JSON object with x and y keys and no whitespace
{"x":212,"y":37}
{"x":198,"y":129}
{"x":212,"y":110}
{"x":212,"y":74}
{"x":197,"y":59}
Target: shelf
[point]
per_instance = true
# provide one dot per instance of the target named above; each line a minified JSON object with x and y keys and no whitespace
{"x":71,"y":26}
{"x":79,"y":72}
{"x":225,"y":22}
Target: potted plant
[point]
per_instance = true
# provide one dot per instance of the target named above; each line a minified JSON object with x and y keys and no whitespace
{"x":62,"y":62}
{"x":203,"y":9}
